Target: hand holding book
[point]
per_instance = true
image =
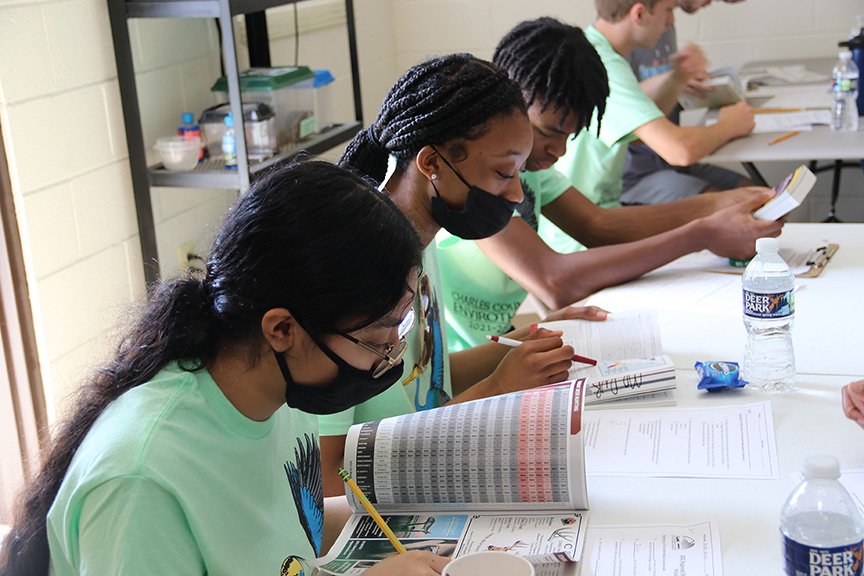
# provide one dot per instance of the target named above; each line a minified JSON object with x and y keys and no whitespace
{"x":788,"y":195}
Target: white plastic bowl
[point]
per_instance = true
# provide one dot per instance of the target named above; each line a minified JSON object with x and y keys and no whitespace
{"x":177,"y":153}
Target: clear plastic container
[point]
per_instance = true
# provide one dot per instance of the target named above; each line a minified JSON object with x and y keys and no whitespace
{"x":178,"y":154}
{"x":272,"y":86}
{"x":258,"y":124}
{"x":316,"y":94}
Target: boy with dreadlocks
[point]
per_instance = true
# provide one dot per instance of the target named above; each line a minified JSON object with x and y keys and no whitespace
{"x":594,"y":161}
{"x":564,"y":83}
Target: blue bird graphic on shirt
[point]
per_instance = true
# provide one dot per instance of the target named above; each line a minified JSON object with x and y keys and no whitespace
{"x":435,"y":395}
{"x":308,"y":490}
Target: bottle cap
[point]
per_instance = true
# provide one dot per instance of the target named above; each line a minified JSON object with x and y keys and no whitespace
{"x":822,"y":467}
{"x":767,"y":245}
{"x":188,"y":118}
{"x":229,"y":120}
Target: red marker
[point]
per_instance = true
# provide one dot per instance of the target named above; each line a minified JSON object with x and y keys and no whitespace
{"x":514,"y":343}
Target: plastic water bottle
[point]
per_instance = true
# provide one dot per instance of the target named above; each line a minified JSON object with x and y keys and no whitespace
{"x":769,"y":309}
{"x":845,"y":89}
{"x":189,"y":130}
{"x":821,"y":527}
{"x":229,"y":144}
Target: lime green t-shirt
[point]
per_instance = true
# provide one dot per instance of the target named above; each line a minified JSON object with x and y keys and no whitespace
{"x":172,"y":479}
{"x":429,"y":388}
{"x":479,"y":298}
{"x":595,"y":165}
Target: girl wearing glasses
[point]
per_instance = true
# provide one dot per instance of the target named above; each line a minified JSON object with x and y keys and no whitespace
{"x":458,"y":130}
{"x":195,"y":449}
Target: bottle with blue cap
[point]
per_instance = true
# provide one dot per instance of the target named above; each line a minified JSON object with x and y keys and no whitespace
{"x":821,"y":527}
{"x":229,"y":144}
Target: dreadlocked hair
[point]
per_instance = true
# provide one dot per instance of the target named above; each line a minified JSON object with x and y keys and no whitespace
{"x":555,"y":64}
{"x":434,"y":102}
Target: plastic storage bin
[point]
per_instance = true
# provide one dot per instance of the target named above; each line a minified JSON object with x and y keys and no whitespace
{"x":272,"y":87}
{"x":316,"y":94}
{"x":259,"y":126}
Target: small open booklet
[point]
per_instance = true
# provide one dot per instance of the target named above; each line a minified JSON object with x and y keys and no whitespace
{"x":502,"y":473}
{"x":630,"y":363}
{"x":788,"y":195}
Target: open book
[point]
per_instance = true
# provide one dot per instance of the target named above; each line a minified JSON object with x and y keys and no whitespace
{"x":727,"y":89}
{"x":630,"y":363}
{"x":502,"y":473}
{"x":788,"y":195}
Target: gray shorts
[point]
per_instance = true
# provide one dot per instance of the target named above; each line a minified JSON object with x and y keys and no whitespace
{"x":677,"y":183}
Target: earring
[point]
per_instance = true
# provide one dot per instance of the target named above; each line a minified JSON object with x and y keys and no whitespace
{"x":434,"y":176}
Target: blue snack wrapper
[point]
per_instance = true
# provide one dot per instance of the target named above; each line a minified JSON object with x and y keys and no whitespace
{"x":718,"y":375}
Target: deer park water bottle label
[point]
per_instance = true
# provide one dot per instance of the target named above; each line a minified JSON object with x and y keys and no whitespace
{"x":803,"y":560}
{"x":769,"y":306}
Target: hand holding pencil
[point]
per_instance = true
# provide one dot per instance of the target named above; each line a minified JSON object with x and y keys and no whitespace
{"x":514,"y":343}
{"x":404,"y":563}
{"x":370,"y":509}
{"x":541,"y":358}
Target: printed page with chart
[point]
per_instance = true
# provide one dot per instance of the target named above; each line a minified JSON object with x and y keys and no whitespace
{"x":630,"y":366}
{"x":502,"y":473}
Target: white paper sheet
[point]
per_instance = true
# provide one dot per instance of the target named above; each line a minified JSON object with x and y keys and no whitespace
{"x":631,"y":334}
{"x":712,"y":442}
{"x":667,"y":550}
{"x":786,"y":121}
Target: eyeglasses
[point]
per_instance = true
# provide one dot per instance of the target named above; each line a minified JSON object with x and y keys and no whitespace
{"x":426,"y":343}
{"x":392,"y":353}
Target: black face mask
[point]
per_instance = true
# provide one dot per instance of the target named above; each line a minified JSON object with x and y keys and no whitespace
{"x":351,"y":386}
{"x":484,"y":214}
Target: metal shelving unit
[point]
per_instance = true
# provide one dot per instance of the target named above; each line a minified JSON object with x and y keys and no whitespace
{"x":210,"y":174}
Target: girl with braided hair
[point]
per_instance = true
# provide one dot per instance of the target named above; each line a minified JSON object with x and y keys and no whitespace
{"x":564,"y":82}
{"x":457,"y":130}
{"x":192,"y":451}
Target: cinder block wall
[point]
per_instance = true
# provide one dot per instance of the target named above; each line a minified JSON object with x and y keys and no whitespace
{"x":64,"y":136}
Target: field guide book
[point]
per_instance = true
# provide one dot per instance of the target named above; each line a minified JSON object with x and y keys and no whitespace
{"x":502,"y":473}
{"x":788,"y":194}
{"x":631,"y":369}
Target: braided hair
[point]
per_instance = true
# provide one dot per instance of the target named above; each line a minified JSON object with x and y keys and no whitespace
{"x":435,"y":102}
{"x":555,"y":64}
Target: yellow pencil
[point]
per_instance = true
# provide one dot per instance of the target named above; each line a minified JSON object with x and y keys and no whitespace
{"x":783,"y":137}
{"x":777,"y":110}
{"x":371,"y":510}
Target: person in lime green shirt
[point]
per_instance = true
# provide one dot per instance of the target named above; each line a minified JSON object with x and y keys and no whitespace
{"x":458,"y":130}
{"x":195,"y":449}
{"x":594,"y":161}
{"x":486,"y":280}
